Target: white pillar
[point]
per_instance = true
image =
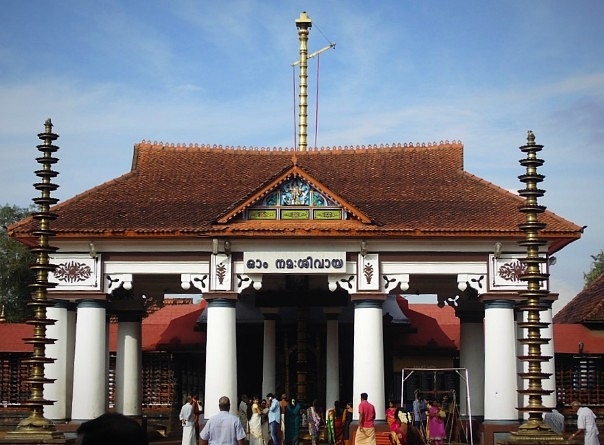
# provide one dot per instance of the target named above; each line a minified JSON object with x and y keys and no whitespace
{"x":61,"y":371}
{"x":128,"y":367}
{"x":221,"y":355}
{"x":268,"y":355}
{"x":368,"y":366}
{"x":500,"y":388}
{"x":332,"y":362}
{"x":108,"y":362}
{"x":521,"y":367}
{"x":548,"y":367}
{"x":89,"y":379}
{"x":471,"y":357}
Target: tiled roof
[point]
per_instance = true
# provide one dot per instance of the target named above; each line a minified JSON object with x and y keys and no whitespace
{"x":398,"y":190}
{"x":12,"y":335}
{"x":568,"y":336}
{"x":587,"y":307}
{"x":437,"y":328}
{"x":172,"y":328}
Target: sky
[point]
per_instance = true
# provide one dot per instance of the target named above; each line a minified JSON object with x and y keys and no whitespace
{"x":113,"y":73}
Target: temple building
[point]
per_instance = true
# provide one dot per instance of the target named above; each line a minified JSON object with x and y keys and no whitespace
{"x":292,"y":251}
{"x":302,"y":256}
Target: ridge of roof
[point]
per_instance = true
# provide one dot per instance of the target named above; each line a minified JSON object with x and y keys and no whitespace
{"x":323,"y":149}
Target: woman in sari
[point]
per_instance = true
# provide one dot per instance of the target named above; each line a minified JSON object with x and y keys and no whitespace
{"x":314,"y":423}
{"x":346,"y":421}
{"x":292,"y":423}
{"x":255,"y":423}
{"x":391,"y":414}
{"x":335,"y":424}
{"x":266,"y":435}
{"x":399,"y":427}
{"x":436,"y":423}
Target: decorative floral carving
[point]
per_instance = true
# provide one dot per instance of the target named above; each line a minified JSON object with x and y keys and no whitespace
{"x":72,"y":272}
{"x":368,"y":272}
{"x":221,"y":272}
{"x":512,"y":271}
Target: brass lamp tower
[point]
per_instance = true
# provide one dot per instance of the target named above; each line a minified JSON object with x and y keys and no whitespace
{"x":303,"y":23}
{"x":36,"y":426}
{"x":534,"y":430}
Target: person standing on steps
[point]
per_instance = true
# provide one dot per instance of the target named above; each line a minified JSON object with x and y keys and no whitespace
{"x":366,"y":430}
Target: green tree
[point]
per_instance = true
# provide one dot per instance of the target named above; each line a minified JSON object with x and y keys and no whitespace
{"x":15,"y":275}
{"x":597,"y":268}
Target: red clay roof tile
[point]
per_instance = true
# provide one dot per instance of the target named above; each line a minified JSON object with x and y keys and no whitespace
{"x":407,"y":191}
{"x":568,"y":336}
{"x":587,"y":307}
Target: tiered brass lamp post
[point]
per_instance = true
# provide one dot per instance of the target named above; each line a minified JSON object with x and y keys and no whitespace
{"x":303,"y":23}
{"x":534,"y":430}
{"x":36,"y":427}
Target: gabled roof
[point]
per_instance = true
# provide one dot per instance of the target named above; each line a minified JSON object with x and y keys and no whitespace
{"x":402,"y":190}
{"x":436,"y":328}
{"x":294,"y":172}
{"x":586,"y":308}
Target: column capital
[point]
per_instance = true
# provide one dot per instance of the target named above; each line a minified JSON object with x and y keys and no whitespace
{"x":500,"y":296}
{"x":332,"y":313}
{"x":368,"y":304}
{"x":474,"y":316}
{"x":499,"y":304}
{"x":64,"y":304}
{"x":370,"y":296}
{"x":270,"y":313}
{"x":92,"y":303}
{"x":209,"y":296}
{"x":222,"y":302}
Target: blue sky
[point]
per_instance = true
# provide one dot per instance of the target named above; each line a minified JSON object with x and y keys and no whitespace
{"x":112,"y":73}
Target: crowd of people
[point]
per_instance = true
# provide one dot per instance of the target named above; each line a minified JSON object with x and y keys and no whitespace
{"x":279,"y":422}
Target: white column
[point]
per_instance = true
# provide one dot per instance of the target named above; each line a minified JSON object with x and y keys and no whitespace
{"x":332,"y":362}
{"x":368,"y":366}
{"x":61,"y":371}
{"x":500,"y":388}
{"x":221,"y":355}
{"x":521,"y":367}
{"x":471,"y":357}
{"x":128,"y":390}
{"x":268,"y":355}
{"x":548,"y":367}
{"x":89,"y":379}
